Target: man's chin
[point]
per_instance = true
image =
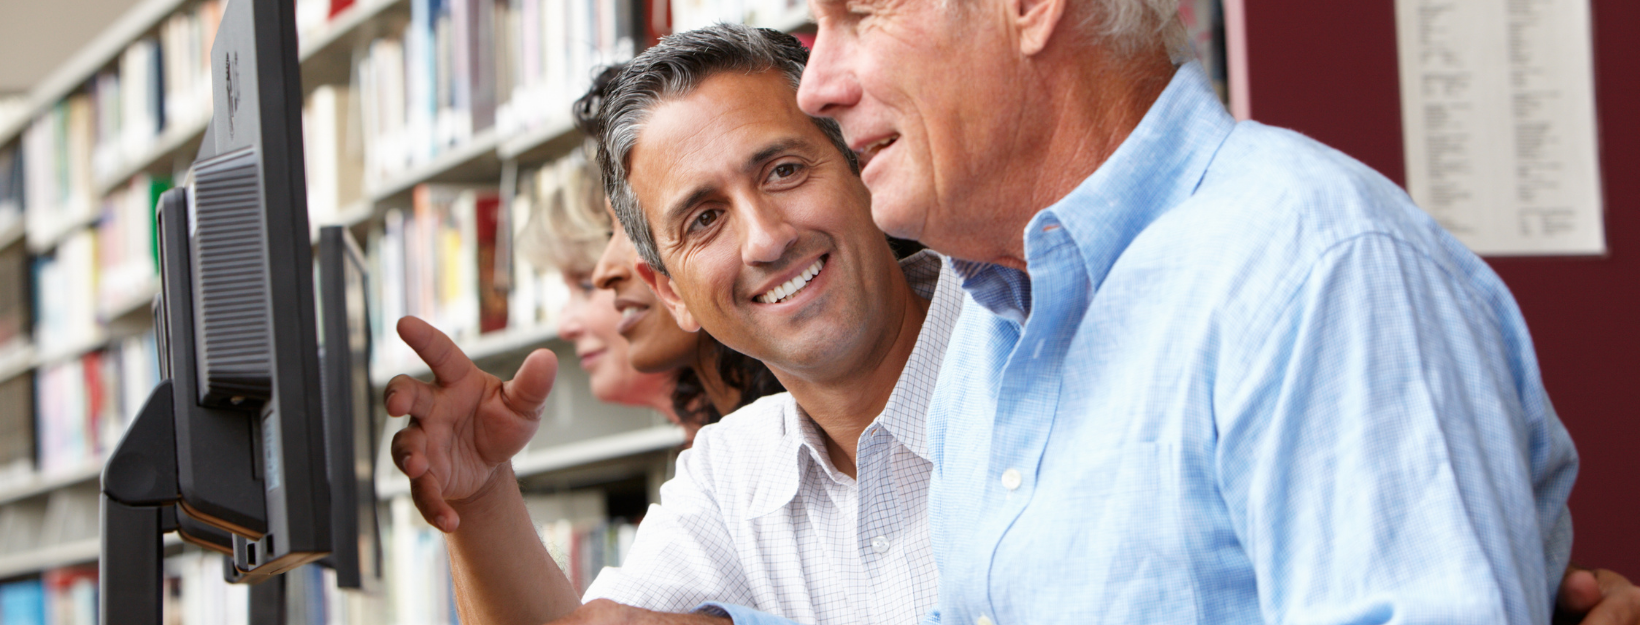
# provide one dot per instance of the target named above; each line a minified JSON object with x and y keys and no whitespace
{"x":899,"y":219}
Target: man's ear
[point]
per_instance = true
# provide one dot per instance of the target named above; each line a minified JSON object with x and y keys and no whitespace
{"x":663,"y":288}
{"x":1036,"y":21}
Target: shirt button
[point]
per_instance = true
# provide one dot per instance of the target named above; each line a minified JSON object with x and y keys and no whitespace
{"x":983,"y":620}
{"x":1011,"y":479}
{"x":880,"y":544}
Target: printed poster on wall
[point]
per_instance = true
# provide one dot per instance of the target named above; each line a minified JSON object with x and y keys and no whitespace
{"x":1497,"y":108}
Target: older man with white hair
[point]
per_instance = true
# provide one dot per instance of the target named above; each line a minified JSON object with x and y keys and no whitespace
{"x":1217,"y":372}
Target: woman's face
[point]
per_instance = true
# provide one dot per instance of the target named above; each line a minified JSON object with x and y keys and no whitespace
{"x":658,"y":344}
{"x":589,"y":320}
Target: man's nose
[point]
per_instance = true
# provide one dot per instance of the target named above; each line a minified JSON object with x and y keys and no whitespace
{"x":827,"y":87}
{"x":768,"y":235}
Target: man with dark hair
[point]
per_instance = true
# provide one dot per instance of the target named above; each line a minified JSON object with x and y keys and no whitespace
{"x":755,"y":227}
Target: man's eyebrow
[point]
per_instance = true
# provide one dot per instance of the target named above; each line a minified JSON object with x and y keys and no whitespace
{"x":769,"y":151}
{"x":681,"y":207}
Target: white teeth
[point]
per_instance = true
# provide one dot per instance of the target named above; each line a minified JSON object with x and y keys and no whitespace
{"x":792,"y":286}
{"x":630,"y":312}
{"x":879,"y":144}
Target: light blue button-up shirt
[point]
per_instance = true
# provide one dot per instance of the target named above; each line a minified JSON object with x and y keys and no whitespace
{"x":1244,"y":379}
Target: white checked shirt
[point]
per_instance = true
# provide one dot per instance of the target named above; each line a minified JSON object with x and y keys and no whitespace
{"x":757,"y":516}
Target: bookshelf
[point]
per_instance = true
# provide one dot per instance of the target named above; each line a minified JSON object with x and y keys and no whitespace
{"x":82,"y":216}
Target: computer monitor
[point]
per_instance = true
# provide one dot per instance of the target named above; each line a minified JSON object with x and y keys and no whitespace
{"x":353,"y":420}
{"x":231,"y":448}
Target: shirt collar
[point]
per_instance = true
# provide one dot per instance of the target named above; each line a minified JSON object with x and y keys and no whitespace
{"x":802,"y":443}
{"x":1159,"y":165}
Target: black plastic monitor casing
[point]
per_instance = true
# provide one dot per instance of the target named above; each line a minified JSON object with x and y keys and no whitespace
{"x":230,"y":448}
{"x":351,"y":413}
{"x":255,"y":343}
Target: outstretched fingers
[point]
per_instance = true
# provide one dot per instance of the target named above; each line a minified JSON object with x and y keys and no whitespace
{"x":410,"y":455}
{"x":410,"y":451}
{"x":429,"y":499}
{"x":405,"y":395}
{"x":528,"y":389}
{"x":448,"y":363}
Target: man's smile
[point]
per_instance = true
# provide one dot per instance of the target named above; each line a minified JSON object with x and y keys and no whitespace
{"x":784,"y":291}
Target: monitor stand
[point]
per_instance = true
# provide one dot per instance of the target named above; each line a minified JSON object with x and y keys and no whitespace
{"x":139,"y":506}
{"x":139,"y":495}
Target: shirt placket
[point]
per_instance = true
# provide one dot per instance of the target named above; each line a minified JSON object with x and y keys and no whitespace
{"x":879,"y":532}
{"x":1031,"y":376}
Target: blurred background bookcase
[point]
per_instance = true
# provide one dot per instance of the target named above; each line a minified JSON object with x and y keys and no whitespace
{"x":434,"y":130}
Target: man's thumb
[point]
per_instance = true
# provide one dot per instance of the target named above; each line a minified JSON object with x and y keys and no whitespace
{"x":1579,"y":591}
{"x":528,"y":389}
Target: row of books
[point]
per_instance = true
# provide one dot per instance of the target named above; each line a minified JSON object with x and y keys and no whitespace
{"x":83,"y":404}
{"x":582,"y":550}
{"x":83,"y":142}
{"x":427,"y":88}
{"x":418,"y":580}
{"x":437,"y":261}
{"x":334,"y":152}
{"x":196,"y":593}
{"x":458,"y":261}
{"x":549,"y":49}
{"x":96,"y":274}
{"x":65,"y":293}
{"x":59,"y":597}
{"x":128,"y":247}
{"x":578,"y":533}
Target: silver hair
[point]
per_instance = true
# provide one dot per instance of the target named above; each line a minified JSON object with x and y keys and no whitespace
{"x":674,"y":68}
{"x":1129,"y":27}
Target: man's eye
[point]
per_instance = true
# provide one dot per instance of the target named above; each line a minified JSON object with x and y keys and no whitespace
{"x":704,"y":219}
{"x":786,"y":170}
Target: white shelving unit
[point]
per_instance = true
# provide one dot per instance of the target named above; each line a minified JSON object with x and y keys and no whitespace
{"x":578,"y":435}
{"x":37,"y":484}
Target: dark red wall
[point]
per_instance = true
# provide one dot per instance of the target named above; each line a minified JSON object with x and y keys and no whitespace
{"x":1328,"y":69}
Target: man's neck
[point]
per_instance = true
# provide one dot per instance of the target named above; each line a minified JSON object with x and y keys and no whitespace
{"x":1084,"y":113}
{"x":844,"y":405}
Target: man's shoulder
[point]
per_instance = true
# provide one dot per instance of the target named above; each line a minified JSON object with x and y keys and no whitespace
{"x":1274,"y":207}
{"x":1278,"y":177}
{"x":760,"y":422}
{"x":1280,"y":200}
{"x":748,"y":437}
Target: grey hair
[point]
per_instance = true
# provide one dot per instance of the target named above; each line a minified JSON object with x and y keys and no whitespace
{"x":1130,"y":27}
{"x":674,"y":68}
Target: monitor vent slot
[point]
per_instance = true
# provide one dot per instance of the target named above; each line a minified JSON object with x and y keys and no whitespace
{"x":231,"y":290}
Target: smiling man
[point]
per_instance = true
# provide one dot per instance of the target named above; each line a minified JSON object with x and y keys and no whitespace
{"x":1217,"y":372}
{"x":754,"y":226}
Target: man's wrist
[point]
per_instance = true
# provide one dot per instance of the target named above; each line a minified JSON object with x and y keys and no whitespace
{"x":492,"y":495}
